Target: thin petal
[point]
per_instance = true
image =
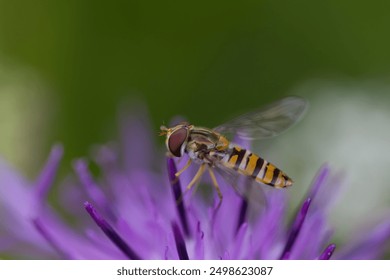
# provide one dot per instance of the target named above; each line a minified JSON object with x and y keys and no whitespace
{"x":243,"y":213}
{"x":178,"y":195}
{"x":296,"y":227}
{"x":111,"y":233}
{"x":328,"y":252}
{"x":180,"y":243}
{"x":41,"y":228}
{"x":92,"y":189}
{"x":314,"y":234}
{"x":46,"y":178}
{"x":319,"y":180}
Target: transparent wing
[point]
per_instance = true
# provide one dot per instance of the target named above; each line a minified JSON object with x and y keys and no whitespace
{"x":246,"y":187}
{"x":268,"y":121}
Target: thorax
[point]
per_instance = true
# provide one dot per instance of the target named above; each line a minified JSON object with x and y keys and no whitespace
{"x":205,"y":145}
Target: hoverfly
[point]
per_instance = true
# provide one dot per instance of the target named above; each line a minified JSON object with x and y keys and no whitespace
{"x":213,"y":151}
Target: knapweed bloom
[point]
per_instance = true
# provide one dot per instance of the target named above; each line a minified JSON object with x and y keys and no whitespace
{"x":136,"y":209}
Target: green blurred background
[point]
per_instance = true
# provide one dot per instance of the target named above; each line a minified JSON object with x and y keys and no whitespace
{"x":67,"y":66}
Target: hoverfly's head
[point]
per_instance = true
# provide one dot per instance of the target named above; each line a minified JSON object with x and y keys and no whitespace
{"x":176,"y":138}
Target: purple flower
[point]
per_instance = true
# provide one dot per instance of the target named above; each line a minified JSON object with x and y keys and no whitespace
{"x":137,"y":209}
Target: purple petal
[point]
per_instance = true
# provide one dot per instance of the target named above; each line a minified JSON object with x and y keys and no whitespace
{"x":326,"y":188}
{"x":146,"y":192}
{"x":369,"y":245}
{"x":199,"y":243}
{"x":269,"y":228}
{"x":137,"y":145}
{"x":17,"y":207}
{"x":238,"y":249}
{"x":166,"y":251}
{"x":319,"y":180}
{"x":39,"y":225}
{"x":328,"y":252}
{"x":46,"y":178}
{"x":178,"y":195}
{"x":91,"y":188}
{"x":226,"y":256}
{"x":313,"y":235}
{"x":286,"y":256}
{"x":110,"y":232}
{"x":242,"y":214}
{"x":296,"y":227}
{"x":73,"y":243}
{"x":180,"y":243}
{"x":229,"y":210}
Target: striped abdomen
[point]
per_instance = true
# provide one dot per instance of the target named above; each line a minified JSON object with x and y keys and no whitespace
{"x":249,"y":164}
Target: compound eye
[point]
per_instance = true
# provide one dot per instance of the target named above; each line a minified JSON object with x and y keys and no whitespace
{"x":176,"y":141}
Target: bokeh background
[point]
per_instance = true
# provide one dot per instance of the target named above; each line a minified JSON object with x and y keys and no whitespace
{"x":67,"y":66}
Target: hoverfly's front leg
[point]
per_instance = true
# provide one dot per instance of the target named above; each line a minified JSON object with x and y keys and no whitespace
{"x":197,"y":176}
{"x":177,"y":174}
{"x":194,"y":180}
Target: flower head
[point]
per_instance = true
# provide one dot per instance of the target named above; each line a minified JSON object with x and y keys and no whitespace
{"x":137,"y":209}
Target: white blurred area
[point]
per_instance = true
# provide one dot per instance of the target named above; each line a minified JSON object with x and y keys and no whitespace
{"x":348,"y":127}
{"x":25,"y":114}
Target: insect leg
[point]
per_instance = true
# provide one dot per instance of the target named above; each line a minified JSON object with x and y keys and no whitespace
{"x":197,"y":176}
{"x":216,"y":186}
{"x":194,"y":180}
{"x":177,"y":174}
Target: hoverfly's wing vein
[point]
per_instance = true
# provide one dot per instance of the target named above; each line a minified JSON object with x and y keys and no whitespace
{"x":266,"y":122}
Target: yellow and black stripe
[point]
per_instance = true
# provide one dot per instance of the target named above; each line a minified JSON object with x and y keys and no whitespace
{"x":254,"y":166}
{"x":236,"y":157}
